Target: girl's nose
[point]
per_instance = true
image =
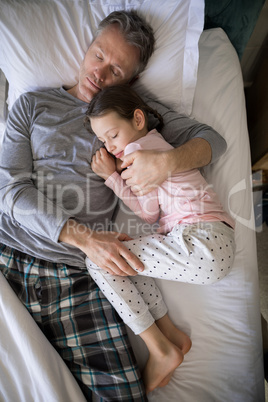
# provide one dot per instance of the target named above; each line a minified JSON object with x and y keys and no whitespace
{"x":110,"y":147}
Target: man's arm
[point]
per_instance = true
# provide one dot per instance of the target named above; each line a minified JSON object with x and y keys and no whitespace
{"x":179,"y":129}
{"x":148,"y":169}
{"x":103,"y":248}
{"x":20,"y":198}
{"x":196,"y":145}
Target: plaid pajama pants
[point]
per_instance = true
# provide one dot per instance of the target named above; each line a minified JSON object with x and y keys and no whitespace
{"x":79,"y":322}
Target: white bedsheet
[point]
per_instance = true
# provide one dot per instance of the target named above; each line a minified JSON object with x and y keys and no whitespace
{"x":223,"y":320}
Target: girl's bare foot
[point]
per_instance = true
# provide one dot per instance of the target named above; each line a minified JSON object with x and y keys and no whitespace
{"x":164,"y":357}
{"x":167,"y":346}
{"x":161,"y":365}
{"x":177,"y":337}
{"x":166,"y":380}
{"x":174,"y":335}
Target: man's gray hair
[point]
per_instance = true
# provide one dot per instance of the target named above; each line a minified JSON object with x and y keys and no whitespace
{"x":135,"y":30}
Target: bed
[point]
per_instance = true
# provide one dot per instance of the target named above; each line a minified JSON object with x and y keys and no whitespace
{"x":223,"y":320}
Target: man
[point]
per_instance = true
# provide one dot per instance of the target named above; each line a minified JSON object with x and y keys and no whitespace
{"x":53,"y":207}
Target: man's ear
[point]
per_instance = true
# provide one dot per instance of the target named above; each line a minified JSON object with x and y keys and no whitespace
{"x":139,"y":119}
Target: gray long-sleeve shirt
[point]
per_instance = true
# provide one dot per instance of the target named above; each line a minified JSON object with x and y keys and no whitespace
{"x":45,"y":174}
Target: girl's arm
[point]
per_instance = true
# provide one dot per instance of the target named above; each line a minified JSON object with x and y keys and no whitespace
{"x":146,"y":207}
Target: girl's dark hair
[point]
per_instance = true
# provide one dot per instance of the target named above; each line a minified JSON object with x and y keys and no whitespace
{"x":120,"y":99}
{"x":136,"y":31}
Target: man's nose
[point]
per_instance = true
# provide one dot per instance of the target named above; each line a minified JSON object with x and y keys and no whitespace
{"x":100,"y":73}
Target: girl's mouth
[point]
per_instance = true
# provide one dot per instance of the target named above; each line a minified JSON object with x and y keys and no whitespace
{"x":119,"y":154}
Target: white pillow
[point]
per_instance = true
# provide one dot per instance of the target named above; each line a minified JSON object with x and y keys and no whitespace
{"x":43,"y":43}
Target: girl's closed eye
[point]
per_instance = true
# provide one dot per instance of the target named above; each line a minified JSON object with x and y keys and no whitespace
{"x":114,"y":136}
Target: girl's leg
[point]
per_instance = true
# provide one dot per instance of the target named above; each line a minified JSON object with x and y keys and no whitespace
{"x":201,"y":253}
{"x":173,"y":334}
{"x":134,"y":298}
{"x":194,"y":254}
{"x":139,"y":303}
{"x":153,"y":298}
{"x":198,"y":254}
{"x":164,"y":358}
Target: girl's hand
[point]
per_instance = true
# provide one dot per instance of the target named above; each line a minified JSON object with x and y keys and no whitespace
{"x":118,"y":164}
{"x":103,"y":164}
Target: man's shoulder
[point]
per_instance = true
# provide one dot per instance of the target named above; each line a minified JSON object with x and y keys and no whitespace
{"x":33,"y":96}
{"x":40,"y":97}
{"x":42,"y":93}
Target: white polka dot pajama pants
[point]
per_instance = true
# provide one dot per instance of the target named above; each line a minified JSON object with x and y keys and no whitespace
{"x":200,"y":253}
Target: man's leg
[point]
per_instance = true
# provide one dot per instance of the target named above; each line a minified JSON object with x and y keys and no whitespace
{"x":80,"y":323}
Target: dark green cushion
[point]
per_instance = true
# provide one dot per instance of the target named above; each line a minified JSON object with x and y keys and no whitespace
{"x":236,"y":17}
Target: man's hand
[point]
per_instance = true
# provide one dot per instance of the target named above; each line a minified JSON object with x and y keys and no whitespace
{"x":103,"y":248}
{"x":109,"y":253}
{"x":149,"y":169}
{"x":146,"y":170}
{"x":103,"y":164}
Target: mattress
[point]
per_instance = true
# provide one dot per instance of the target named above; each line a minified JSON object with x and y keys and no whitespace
{"x":223,"y":319}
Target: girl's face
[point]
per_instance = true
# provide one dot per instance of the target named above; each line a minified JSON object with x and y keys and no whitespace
{"x":116,"y":132}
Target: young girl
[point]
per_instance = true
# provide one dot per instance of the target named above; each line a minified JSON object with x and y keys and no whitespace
{"x":194,"y":242}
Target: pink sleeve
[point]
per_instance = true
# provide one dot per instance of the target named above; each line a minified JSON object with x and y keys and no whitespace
{"x":132,"y":147}
{"x":146,"y":207}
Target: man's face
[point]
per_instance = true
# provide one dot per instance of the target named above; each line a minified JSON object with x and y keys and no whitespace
{"x":110,"y":60}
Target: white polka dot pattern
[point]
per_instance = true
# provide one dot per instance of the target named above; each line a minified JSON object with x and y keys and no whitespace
{"x":199,"y":254}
